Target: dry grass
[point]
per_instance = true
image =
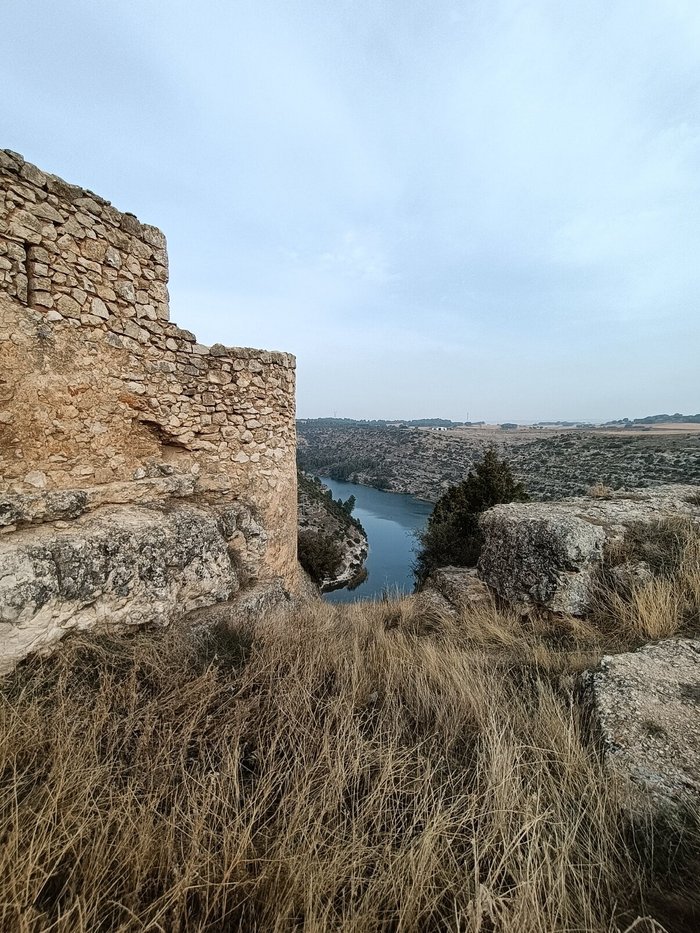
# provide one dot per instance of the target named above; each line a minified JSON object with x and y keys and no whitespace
{"x":353,"y":768}
{"x":599,"y":490}
{"x":663,"y":601}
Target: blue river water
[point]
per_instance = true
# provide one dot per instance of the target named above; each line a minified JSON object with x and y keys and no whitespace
{"x":390,"y":521}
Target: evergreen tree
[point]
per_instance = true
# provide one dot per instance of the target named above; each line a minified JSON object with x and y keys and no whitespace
{"x":452,"y":536}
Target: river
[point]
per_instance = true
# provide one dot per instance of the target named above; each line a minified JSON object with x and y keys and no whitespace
{"x":390,"y":521}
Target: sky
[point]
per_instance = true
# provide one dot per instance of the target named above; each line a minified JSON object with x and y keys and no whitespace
{"x":483,"y":209}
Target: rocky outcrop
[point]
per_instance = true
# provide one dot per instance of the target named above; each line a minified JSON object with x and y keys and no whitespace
{"x":645,"y":707}
{"x":352,"y":570}
{"x":455,"y":589}
{"x":121,"y":566}
{"x":548,"y":555}
{"x":318,"y":513}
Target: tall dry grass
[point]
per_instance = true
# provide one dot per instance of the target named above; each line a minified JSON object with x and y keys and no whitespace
{"x":665,"y":600}
{"x":361,"y":768}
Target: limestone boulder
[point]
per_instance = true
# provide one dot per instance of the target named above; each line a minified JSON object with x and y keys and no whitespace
{"x":459,"y":587}
{"x":540,"y":554}
{"x":645,"y":707}
{"x":549,"y":554}
{"x":120,"y":565}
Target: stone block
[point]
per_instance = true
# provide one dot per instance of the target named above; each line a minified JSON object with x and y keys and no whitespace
{"x":550,"y":554}
{"x":645,"y":707}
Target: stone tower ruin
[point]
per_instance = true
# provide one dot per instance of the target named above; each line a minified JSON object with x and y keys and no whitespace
{"x":143,"y":476}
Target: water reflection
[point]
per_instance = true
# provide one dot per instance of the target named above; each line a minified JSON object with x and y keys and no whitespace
{"x":390,"y":521}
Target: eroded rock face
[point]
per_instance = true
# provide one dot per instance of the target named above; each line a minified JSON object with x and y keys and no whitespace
{"x":548,"y":554}
{"x":542,"y":554}
{"x":456,"y":589}
{"x":316,"y":514}
{"x":120,"y":565}
{"x":646,"y":709}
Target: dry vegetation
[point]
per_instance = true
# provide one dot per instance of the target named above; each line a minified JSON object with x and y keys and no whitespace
{"x":361,"y":767}
{"x":665,"y":599}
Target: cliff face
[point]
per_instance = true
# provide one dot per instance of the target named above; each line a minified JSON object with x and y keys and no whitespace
{"x":318,"y":514}
{"x":425,"y":463}
{"x":105,"y":404}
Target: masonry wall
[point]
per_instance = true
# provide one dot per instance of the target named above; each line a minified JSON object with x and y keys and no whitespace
{"x":97,"y":386}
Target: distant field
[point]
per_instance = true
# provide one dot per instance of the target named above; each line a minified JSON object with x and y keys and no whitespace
{"x":532,"y":432}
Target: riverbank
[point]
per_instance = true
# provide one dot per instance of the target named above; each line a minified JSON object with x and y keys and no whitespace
{"x":320,"y":515}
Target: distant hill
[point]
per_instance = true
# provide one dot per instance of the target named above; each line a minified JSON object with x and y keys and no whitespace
{"x":383,"y":423}
{"x":660,"y":419}
{"x":425,"y":462}
{"x":563,"y":424}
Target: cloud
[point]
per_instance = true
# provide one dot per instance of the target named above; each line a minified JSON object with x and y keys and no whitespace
{"x":488,"y":204}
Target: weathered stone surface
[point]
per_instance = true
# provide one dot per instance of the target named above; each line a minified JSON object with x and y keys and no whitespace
{"x":66,"y":504}
{"x":548,"y":554}
{"x":122,"y":565}
{"x":246,"y":606}
{"x":646,"y":710}
{"x":544,"y":555}
{"x":104,"y":400}
{"x":459,"y":586}
{"x":48,"y":506}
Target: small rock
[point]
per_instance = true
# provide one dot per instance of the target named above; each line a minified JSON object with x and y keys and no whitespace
{"x":98,"y":307}
{"x":36,"y":478}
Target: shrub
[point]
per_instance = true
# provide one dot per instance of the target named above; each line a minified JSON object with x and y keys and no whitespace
{"x":320,"y":555}
{"x":453,"y":536}
{"x":599,"y":490}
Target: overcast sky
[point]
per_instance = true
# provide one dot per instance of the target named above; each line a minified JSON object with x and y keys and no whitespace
{"x":443,"y":207}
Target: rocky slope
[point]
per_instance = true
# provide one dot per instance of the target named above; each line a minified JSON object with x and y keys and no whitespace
{"x":424,"y":462}
{"x":119,"y":555}
{"x":319,"y":513}
{"x":553,"y":560}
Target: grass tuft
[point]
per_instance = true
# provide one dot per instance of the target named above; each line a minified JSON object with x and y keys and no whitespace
{"x":664,"y":599}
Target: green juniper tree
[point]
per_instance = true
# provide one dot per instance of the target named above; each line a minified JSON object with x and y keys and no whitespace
{"x":452,"y":536}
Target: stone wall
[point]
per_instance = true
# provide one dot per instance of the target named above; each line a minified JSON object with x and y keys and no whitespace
{"x":100,"y":392}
